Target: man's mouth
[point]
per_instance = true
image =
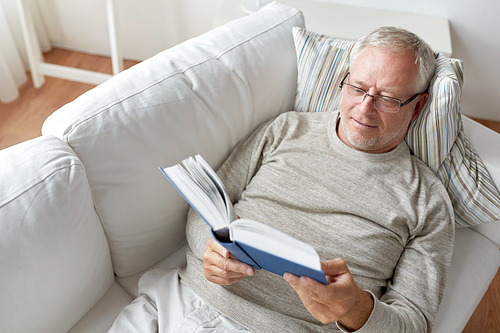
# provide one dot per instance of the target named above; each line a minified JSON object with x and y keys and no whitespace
{"x":362,"y":124}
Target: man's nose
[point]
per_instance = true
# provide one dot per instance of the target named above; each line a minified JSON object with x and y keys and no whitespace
{"x":367,"y":104}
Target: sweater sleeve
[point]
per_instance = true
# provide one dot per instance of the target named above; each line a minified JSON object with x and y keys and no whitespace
{"x":412,"y":299}
{"x":236,"y":172}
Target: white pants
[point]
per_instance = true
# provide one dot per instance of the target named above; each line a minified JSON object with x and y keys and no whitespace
{"x":167,"y":304}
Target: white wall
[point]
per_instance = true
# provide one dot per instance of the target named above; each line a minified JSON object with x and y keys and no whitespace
{"x":145,"y":27}
{"x":149,"y":26}
{"x":475,"y":35}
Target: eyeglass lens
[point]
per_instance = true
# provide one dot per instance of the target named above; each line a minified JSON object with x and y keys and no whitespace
{"x":382,"y":103}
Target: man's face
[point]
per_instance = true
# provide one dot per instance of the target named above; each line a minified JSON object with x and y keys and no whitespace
{"x":362,"y":126}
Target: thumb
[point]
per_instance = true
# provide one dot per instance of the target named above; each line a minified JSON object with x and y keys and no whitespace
{"x":334,"y":267}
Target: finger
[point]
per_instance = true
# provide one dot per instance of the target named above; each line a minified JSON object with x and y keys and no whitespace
{"x":293,"y":280}
{"x":337,"y":289}
{"x":310,"y":299}
{"x":222,"y":251}
{"x":299,"y":287}
{"x":310,"y":289}
{"x":220,"y":278}
{"x":234,"y":266}
{"x":216,"y":247}
{"x":221,"y":275}
{"x":216,"y":274}
{"x":224,"y":274}
{"x":219,"y":257}
{"x":334,"y":267}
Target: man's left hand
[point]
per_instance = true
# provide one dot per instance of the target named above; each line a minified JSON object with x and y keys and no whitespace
{"x":340,"y":299}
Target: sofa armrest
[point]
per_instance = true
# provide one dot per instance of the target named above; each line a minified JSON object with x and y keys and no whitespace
{"x":55,"y":261}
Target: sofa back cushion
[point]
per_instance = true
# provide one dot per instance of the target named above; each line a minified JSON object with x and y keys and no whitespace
{"x":54,"y":257}
{"x":199,"y":97}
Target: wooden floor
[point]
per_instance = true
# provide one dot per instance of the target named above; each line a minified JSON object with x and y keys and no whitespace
{"x":22,"y":119}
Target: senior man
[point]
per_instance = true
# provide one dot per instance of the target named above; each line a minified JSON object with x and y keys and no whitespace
{"x":346,"y":183}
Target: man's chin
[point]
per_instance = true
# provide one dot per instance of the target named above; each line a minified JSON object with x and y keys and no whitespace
{"x":360,"y":141}
{"x":364,"y":144}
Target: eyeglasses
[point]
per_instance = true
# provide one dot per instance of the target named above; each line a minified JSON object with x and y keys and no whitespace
{"x":381,"y":102}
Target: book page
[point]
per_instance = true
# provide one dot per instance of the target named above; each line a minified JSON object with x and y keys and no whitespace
{"x":218,"y":183}
{"x":205,"y":183}
{"x":200,"y":192}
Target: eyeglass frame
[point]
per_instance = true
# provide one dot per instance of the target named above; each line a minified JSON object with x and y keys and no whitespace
{"x":401,"y":104}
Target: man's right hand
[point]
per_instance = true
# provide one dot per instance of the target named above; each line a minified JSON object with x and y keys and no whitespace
{"x":221,"y":267}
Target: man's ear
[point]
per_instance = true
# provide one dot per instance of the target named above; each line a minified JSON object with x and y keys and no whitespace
{"x":420,"y":105}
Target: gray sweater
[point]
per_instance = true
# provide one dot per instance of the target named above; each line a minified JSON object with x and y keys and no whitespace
{"x":386,"y":215}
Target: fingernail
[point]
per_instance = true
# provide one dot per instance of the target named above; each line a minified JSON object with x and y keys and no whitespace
{"x":286,"y":276}
{"x":249,"y":271}
{"x":304,"y":280}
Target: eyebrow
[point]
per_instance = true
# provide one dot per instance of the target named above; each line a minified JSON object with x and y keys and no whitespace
{"x":390,"y":93}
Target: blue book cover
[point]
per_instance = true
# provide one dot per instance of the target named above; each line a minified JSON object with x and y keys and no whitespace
{"x":279,"y":265}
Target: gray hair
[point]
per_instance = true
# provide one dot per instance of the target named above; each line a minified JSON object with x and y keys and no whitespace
{"x":399,"y":41}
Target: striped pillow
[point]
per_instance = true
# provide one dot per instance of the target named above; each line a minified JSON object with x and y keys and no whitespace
{"x":436,"y":136}
{"x":322,"y":63}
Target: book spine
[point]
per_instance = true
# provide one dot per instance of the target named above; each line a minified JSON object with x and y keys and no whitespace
{"x":237,"y":251}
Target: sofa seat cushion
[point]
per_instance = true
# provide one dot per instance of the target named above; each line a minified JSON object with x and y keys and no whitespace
{"x":55,"y":262}
{"x":103,"y":314}
{"x":131,"y":283}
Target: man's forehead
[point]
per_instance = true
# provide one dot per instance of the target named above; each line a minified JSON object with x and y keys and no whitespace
{"x":367,"y":81}
{"x":384,"y":70}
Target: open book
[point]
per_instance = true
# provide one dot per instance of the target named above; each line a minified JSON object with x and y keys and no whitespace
{"x":252,"y":242}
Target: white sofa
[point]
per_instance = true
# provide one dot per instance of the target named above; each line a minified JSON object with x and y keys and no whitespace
{"x":84,"y":210}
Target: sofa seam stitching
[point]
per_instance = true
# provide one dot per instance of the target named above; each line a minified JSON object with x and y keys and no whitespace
{"x":15,"y":196}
